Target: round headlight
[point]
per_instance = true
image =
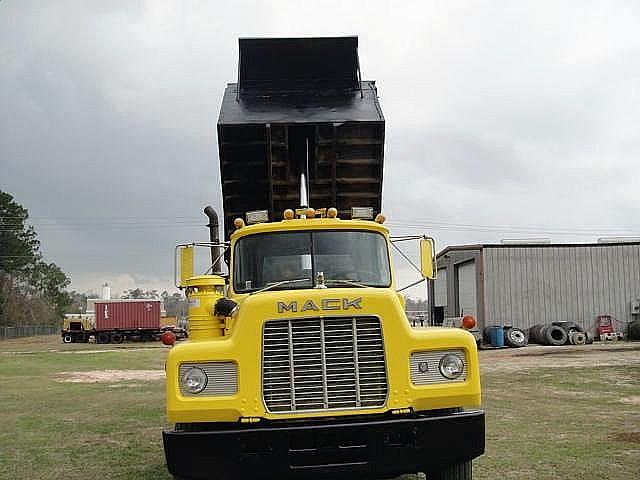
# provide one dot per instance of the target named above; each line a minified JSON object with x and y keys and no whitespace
{"x":194,"y":380}
{"x":451,"y":366}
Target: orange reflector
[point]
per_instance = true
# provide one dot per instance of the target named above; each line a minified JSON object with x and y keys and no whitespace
{"x":468,"y":322}
{"x":168,"y":337}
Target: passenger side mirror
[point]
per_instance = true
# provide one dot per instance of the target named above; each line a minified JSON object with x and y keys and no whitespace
{"x":186,"y":264}
{"x":427,"y":258}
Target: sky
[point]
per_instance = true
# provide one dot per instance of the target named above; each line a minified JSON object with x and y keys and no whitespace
{"x":504,"y":119}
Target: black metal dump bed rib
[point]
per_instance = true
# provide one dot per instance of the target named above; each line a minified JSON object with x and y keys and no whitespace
{"x":291,"y":91}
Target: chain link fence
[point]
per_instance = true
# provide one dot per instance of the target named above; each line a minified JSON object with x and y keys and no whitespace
{"x":28,"y":331}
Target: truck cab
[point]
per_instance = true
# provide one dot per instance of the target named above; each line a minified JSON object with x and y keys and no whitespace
{"x":301,"y":360}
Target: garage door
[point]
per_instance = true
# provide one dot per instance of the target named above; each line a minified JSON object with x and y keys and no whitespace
{"x":440,"y":289}
{"x":467,"y":289}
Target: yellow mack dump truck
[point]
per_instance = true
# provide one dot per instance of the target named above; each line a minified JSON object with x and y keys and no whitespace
{"x":301,"y":361}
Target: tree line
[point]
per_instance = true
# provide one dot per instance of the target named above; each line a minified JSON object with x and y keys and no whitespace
{"x":32,"y":290}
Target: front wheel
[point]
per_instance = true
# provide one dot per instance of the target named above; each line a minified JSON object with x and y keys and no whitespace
{"x":460,"y":471}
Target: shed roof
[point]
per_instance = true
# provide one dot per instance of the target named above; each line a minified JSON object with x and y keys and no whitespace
{"x":480,"y":246}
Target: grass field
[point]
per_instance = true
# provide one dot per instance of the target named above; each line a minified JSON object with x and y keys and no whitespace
{"x":551,"y":414}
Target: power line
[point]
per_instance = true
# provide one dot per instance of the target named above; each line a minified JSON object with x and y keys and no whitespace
{"x":165,"y":222}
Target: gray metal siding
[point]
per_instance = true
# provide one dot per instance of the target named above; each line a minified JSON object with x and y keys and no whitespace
{"x":440,"y":288}
{"x":451,"y":261}
{"x":529,"y":285}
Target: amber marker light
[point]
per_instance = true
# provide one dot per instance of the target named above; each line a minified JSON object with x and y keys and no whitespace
{"x":310,"y":213}
{"x":468,"y":322}
{"x":238,"y":222}
{"x":168,"y":338}
{"x":332,"y":212}
{"x":380,"y":218}
{"x":288,"y":214}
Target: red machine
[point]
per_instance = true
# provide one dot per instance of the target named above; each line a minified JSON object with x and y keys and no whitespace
{"x":605,"y":328}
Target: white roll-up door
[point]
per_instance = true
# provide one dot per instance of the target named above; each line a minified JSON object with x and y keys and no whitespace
{"x":440,"y":289}
{"x":467,"y":302}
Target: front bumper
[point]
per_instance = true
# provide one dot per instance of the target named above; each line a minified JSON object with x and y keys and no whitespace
{"x":386,"y":446}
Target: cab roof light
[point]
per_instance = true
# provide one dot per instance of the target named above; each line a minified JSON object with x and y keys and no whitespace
{"x":380,"y":218}
{"x":238,"y":222}
{"x":362,"y":213}
{"x":288,"y":214}
{"x":332,"y":212}
{"x":257,"y":216}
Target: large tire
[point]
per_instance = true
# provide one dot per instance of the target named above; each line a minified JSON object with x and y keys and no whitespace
{"x":535,"y":333}
{"x":515,"y":337}
{"x":577,"y":338}
{"x":103,"y":337}
{"x":461,"y":471}
{"x":634,"y":330}
{"x":569,"y":326}
{"x":67,"y":338}
{"x":555,"y":335}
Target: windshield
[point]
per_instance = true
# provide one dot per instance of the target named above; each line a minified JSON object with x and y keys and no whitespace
{"x":266,"y":259}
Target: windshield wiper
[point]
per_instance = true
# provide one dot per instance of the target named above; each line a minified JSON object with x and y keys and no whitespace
{"x":345,"y":282}
{"x":278,"y":284}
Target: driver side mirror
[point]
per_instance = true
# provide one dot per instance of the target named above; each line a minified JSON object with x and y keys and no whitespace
{"x":427,"y":258}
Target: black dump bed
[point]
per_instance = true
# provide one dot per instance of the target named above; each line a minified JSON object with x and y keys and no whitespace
{"x":294,"y":92}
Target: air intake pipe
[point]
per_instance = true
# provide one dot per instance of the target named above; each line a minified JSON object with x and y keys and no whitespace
{"x":215,"y":238}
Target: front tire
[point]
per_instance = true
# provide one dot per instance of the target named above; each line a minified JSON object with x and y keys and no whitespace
{"x":460,"y":471}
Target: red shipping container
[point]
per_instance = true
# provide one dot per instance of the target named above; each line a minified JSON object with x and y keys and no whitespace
{"x":127,"y":315}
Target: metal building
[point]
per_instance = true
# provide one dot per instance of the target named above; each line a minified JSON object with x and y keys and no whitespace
{"x":526,"y":284}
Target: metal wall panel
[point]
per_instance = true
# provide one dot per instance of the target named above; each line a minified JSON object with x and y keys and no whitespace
{"x":526,"y":285}
{"x":467,"y":295}
{"x":440,"y":288}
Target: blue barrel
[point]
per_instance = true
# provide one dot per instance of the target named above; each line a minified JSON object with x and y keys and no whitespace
{"x":496,"y":334}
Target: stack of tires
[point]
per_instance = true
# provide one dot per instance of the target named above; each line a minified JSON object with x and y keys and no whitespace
{"x":559,"y":333}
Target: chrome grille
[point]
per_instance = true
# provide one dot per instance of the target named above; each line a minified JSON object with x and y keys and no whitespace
{"x":323,"y":364}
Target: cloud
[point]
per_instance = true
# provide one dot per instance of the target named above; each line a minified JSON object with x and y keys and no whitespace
{"x":498,"y":113}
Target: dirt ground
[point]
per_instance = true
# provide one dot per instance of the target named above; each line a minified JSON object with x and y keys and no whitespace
{"x":610,"y":354}
{"x":548,"y":411}
{"x":110,"y":376}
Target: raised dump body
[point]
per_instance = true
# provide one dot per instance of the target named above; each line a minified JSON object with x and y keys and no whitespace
{"x":300,"y":100}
